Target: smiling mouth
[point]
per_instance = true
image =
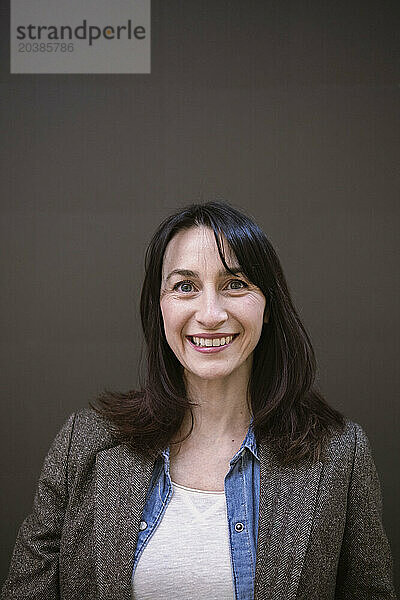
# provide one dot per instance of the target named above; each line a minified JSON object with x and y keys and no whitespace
{"x":214,"y":342}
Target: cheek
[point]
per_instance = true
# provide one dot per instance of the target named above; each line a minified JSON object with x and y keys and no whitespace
{"x":253,"y":313}
{"x":172,"y":318}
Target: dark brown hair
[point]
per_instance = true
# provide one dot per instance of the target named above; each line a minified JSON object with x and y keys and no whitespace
{"x":288,"y":412}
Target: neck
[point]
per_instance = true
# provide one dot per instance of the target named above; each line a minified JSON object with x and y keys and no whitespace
{"x":221,"y":408}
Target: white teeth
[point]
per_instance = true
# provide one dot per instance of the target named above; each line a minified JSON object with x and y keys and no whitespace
{"x":199,"y":341}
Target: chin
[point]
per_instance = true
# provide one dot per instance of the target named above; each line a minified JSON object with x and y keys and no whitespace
{"x":209,"y":374}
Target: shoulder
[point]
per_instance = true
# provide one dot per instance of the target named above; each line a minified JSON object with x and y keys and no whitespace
{"x":350,"y":450}
{"x":83,"y":435}
{"x":350,"y":439}
{"x":76,"y":446}
{"x":90,"y":432}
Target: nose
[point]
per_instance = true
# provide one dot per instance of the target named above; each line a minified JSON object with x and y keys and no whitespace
{"x":211,"y":312}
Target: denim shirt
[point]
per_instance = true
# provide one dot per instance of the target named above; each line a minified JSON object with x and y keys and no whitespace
{"x":242,"y":492}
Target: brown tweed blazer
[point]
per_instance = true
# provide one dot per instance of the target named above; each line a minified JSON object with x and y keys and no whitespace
{"x":320,"y":529}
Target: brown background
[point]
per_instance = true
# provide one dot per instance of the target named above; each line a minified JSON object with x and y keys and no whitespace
{"x":286,"y":109}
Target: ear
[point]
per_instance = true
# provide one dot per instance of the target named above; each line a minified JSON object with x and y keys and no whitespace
{"x":266,"y":316}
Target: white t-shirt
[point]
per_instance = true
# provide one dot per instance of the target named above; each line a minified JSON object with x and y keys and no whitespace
{"x":188,"y":554}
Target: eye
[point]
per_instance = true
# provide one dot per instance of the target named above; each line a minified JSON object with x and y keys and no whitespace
{"x":184,"y":286}
{"x":237,"y":284}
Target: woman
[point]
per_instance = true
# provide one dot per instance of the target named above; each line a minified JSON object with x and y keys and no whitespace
{"x":227,"y":475}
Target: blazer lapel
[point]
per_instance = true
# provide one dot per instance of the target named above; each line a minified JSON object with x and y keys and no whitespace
{"x":122,"y":479}
{"x":287,"y":501}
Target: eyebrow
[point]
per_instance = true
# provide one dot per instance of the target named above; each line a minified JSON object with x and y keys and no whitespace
{"x":188,"y":273}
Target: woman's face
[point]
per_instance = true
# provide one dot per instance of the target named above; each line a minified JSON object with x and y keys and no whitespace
{"x":212,"y":319}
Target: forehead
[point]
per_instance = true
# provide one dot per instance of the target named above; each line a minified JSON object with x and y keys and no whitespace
{"x":196,"y":248}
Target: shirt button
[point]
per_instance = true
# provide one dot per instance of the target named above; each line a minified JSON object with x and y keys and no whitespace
{"x":239,"y":527}
{"x":142,"y":525}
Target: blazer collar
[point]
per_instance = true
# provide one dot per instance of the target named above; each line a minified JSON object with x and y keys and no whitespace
{"x":287,"y":501}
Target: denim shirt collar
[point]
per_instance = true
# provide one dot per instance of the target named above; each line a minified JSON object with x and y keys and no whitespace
{"x":250,"y":441}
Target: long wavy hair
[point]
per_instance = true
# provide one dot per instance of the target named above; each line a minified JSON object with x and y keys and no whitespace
{"x":288,"y":412}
